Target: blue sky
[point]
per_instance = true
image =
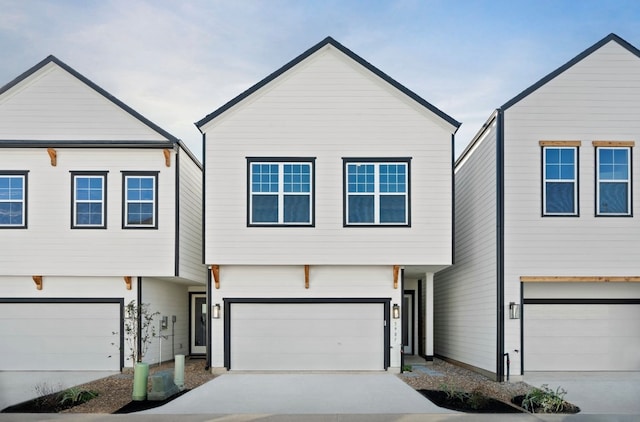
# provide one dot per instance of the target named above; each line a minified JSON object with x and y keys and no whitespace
{"x":176,"y":61}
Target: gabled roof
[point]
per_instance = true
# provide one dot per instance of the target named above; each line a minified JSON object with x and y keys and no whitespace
{"x":311,"y":51}
{"x":569,"y":64}
{"x":105,"y":94}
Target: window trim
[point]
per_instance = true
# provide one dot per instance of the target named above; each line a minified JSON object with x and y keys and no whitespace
{"x":282,"y":160}
{"x":125,"y":202}
{"x":377,"y":161}
{"x":574,"y":145}
{"x":25,"y":197}
{"x":74,"y":202}
{"x":612,"y":145}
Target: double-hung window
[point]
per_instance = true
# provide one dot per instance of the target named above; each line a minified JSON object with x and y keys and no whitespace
{"x":13,"y":199}
{"x":140,"y":200}
{"x":280,"y":191}
{"x":613,"y":181}
{"x":89,"y":193}
{"x":376,"y":192}
{"x":560,"y":179}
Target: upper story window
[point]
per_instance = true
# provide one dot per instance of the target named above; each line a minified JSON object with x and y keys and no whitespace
{"x":376,"y":192}
{"x":613,"y":180}
{"x":140,"y":200}
{"x":89,"y":199}
{"x":13,"y":199}
{"x":280,"y":191}
{"x":560,"y":179}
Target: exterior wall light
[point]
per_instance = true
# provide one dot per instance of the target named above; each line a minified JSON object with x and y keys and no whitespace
{"x":216,"y":311}
{"x":396,"y":311}
{"x":514,"y":310}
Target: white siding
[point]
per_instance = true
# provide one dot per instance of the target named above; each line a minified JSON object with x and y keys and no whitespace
{"x":190,"y":229}
{"x":465,"y":293}
{"x":328,"y":107}
{"x":52,"y":104}
{"x":596,"y":99}
{"x":288,"y":282}
{"x":48,"y":246}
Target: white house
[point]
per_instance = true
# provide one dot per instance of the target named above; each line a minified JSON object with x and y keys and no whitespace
{"x":545,"y":225}
{"x":328,"y":208}
{"x":98,"y":207}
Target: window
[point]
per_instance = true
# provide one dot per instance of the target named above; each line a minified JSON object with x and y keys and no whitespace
{"x":140,"y":200}
{"x":13,"y":199}
{"x":281,"y":192}
{"x":613,"y":186}
{"x":560,"y":179}
{"x":377,"y":193}
{"x":89,"y":199}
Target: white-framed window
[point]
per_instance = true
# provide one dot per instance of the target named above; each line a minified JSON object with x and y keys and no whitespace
{"x":280,"y":191}
{"x":89,"y":199}
{"x":613,"y":181}
{"x":140,"y":191}
{"x":560,"y":181}
{"x":13,"y":199}
{"x":376,"y":192}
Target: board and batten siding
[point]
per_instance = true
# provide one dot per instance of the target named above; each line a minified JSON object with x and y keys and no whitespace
{"x":49,"y":246}
{"x":328,"y":107}
{"x":190,"y":223}
{"x":53,"y":104}
{"x":288,"y":281}
{"x":598,"y":98}
{"x":465,"y":293}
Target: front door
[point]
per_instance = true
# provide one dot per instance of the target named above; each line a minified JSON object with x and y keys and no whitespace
{"x":407,"y":322}
{"x":198,"y":343}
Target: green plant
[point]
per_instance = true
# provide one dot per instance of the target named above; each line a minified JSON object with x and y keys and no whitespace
{"x":407,"y":368}
{"x":544,"y":400}
{"x":453,"y":393}
{"x":477,"y":399}
{"x":146,"y":330}
{"x":45,"y":394}
{"x":74,"y":395}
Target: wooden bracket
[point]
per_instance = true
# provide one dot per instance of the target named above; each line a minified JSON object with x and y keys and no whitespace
{"x":396,"y":270}
{"x":215,"y":270}
{"x":53,"y":155}
{"x":127,"y":280}
{"x":38,"y":280}
{"x":167,"y":157}
{"x":306,"y":276}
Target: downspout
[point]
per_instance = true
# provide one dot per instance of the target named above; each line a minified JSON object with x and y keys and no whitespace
{"x":177,"y":214}
{"x":500,"y":245}
{"x":402,"y":319}
{"x":139,"y":334}
{"x":208,"y":323}
{"x":453,"y":199}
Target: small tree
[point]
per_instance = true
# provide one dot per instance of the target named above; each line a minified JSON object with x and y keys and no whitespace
{"x":147,"y":329}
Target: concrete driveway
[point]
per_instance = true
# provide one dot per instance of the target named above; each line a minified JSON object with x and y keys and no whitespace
{"x":612,"y":393}
{"x":295,"y":393}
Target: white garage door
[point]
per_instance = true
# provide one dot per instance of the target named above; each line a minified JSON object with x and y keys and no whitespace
{"x":307,"y":336}
{"x":60,"y":336}
{"x":592,"y":337}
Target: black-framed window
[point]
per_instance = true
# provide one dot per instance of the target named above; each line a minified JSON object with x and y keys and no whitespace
{"x":560,"y":181}
{"x":377,"y":191}
{"x":613,"y":181}
{"x":280,"y":191}
{"x":13,"y":199}
{"x":89,"y":199}
{"x":140,"y":200}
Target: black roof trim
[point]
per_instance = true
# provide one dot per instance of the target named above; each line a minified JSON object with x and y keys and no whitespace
{"x":305,"y":55}
{"x":92,"y":85}
{"x":578,"y":58}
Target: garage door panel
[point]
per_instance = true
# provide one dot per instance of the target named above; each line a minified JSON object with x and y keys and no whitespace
{"x":307,"y":336}
{"x":60,"y":336}
{"x":585,"y":337}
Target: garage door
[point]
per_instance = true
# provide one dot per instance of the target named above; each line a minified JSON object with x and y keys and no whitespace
{"x":60,"y":336}
{"x":582,"y":337}
{"x":307,"y":336}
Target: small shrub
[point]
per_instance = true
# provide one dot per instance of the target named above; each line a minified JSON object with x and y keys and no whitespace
{"x":74,"y":396}
{"x":407,"y":368}
{"x":477,"y":399}
{"x":453,"y":393}
{"x":545,"y":400}
{"x":45,"y":394}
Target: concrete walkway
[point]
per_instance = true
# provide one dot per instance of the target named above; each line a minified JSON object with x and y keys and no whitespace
{"x":291,"y":393}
